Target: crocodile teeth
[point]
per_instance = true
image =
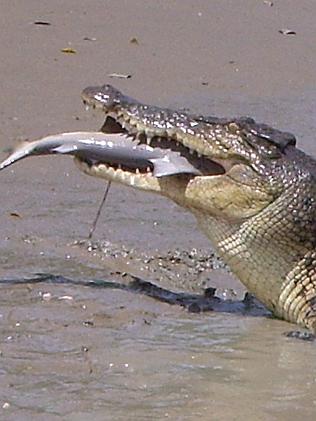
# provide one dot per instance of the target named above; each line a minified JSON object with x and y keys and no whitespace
{"x":148,"y":132}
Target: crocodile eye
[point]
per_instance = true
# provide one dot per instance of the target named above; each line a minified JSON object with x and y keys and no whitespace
{"x":269,"y":136}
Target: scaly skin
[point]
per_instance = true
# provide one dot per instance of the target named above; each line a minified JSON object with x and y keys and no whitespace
{"x":255,"y":199}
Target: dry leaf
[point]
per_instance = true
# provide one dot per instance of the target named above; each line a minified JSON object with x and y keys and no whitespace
{"x":120,"y":75}
{"x":42,"y":22}
{"x":68,"y":50}
{"x":15,"y":214}
{"x":134,"y":40}
{"x":287,"y":32}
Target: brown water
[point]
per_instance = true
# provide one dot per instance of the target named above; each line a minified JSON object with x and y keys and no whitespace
{"x":71,"y":352}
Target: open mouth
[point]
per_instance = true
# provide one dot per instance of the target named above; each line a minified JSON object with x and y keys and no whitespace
{"x":176,"y":158}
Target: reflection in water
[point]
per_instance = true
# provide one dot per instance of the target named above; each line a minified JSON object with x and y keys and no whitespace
{"x":69,"y":350}
{"x":194,"y":303}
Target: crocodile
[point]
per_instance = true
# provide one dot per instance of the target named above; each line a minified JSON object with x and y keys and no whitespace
{"x":254,"y":196}
{"x":250,"y":188}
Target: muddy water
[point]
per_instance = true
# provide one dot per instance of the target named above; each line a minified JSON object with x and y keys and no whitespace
{"x":75,"y":352}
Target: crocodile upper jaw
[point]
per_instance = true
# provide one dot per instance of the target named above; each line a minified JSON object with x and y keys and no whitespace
{"x":221,"y":186}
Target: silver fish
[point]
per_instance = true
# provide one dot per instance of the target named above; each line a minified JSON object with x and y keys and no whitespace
{"x":98,"y":147}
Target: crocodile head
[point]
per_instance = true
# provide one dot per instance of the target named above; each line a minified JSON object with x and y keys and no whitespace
{"x":234,"y":158}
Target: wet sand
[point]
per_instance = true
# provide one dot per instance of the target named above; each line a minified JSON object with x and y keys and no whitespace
{"x":73,"y":352}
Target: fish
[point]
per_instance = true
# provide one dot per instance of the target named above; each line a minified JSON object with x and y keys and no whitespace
{"x":109,"y":148}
